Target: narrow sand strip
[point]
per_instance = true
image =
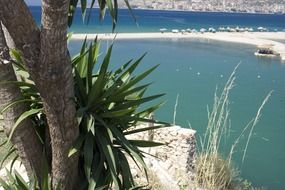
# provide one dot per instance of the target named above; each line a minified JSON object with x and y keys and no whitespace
{"x":253,"y":38}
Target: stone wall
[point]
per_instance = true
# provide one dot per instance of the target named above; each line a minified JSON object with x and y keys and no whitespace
{"x":171,"y":164}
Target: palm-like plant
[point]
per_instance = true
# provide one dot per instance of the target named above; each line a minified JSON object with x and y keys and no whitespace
{"x":108,"y":109}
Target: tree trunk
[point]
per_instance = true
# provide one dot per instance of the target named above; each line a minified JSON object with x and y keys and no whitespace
{"x":19,"y":22}
{"x":24,"y":139}
{"x":46,"y":57}
{"x":57,"y":91}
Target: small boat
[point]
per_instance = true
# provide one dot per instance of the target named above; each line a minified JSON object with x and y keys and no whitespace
{"x":264,"y":55}
{"x":183,"y":31}
{"x":189,"y":30}
{"x":265,"y":51}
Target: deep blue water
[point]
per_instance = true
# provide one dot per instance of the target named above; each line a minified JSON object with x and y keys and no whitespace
{"x":152,"y":21}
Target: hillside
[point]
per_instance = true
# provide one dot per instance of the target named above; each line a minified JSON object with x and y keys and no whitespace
{"x":250,"y":6}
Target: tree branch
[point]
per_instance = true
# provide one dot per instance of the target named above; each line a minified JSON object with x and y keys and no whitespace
{"x":18,"y":20}
{"x":25,"y":138}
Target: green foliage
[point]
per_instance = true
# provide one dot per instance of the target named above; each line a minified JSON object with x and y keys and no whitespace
{"x":109,"y":107}
{"x":31,"y":98}
{"x":111,"y":5}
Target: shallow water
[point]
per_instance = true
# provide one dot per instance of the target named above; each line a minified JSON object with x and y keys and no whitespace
{"x":193,"y":69}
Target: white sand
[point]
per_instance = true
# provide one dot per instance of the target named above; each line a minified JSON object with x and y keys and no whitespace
{"x":253,"y":38}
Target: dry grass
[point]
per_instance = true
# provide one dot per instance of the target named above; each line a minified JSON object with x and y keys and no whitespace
{"x":214,"y":172}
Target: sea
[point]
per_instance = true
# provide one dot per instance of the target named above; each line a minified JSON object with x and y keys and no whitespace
{"x":192,"y":70}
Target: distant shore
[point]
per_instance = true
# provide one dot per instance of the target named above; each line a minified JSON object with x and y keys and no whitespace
{"x":252,"y":38}
{"x":192,"y":10}
{"x":210,"y":11}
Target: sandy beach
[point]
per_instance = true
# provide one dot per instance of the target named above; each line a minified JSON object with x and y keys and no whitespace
{"x":253,"y":38}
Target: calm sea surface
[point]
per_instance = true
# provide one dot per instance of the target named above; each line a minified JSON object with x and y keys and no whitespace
{"x":152,"y":21}
{"x":194,"y":68}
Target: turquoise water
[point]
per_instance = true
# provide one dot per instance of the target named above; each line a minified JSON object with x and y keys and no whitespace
{"x":181,"y":60}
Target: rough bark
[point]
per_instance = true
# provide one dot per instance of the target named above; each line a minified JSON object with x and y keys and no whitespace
{"x":46,"y":57}
{"x":59,"y":103}
{"x":24,"y":139}
{"x":19,"y":22}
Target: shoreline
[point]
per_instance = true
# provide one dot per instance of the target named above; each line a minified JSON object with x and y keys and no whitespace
{"x":191,"y":10}
{"x":204,"y":11}
{"x":251,"y":38}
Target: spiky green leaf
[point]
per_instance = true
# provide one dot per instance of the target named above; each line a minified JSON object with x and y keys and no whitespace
{"x":143,"y":143}
{"x":88,"y":155}
{"x":22,"y":117}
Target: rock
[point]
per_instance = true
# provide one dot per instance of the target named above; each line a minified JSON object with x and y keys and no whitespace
{"x":173,"y":164}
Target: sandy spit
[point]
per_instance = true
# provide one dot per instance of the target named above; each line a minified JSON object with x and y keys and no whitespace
{"x":253,"y":38}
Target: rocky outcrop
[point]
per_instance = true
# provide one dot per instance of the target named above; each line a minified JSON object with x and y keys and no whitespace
{"x":172,"y":164}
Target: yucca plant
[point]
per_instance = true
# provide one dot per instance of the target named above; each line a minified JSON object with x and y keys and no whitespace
{"x":108,"y":109}
{"x":108,"y":105}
